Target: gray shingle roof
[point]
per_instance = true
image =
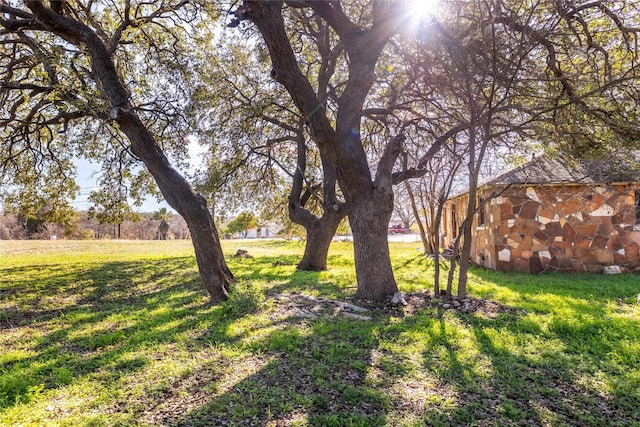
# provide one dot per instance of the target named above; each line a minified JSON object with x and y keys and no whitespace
{"x":558,"y":170}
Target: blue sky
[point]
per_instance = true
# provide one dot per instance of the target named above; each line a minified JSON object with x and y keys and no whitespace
{"x":88,"y":173}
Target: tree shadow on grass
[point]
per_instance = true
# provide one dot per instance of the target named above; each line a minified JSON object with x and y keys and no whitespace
{"x":253,"y":367}
{"x":63,"y":288}
{"x":523,"y":384}
{"x":302,"y":372}
{"x":287,"y":371}
{"x":587,"y":287}
{"x":92,"y":321}
{"x":279,"y":274}
{"x":597,"y":329}
{"x":87,"y":320}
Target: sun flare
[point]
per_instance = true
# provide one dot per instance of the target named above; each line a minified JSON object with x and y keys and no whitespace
{"x":419,"y":15}
{"x":424,"y":8}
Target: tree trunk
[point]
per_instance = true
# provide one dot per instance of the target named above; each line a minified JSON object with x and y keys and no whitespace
{"x":426,"y":244}
{"x":465,"y":255}
{"x":319,"y":237}
{"x":453,"y":265}
{"x":464,"y":259}
{"x":474,"y":171}
{"x":320,"y":231}
{"x":430,"y":228}
{"x":436,"y":248}
{"x":370,"y":204}
{"x":214,"y":273}
{"x":369,"y":220}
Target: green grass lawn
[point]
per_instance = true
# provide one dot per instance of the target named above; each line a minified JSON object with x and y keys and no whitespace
{"x":120,"y":334}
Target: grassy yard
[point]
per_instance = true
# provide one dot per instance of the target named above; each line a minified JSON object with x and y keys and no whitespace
{"x":120,"y":334}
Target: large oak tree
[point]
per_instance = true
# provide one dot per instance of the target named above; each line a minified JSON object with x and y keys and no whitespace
{"x":64,"y":64}
{"x":368,"y":195}
{"x":563,"y":68}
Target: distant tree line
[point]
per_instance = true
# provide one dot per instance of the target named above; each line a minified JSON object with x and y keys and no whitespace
{"x":82,"y":225}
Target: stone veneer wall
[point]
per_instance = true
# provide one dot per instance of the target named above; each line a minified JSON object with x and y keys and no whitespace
{"x":571,"y":228}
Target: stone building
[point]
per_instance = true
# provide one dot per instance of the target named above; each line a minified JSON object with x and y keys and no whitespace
{"x":555,"y":215}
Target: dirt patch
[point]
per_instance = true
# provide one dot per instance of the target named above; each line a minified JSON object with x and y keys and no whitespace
{"x":295,"y":305}
{"x":309,"y":307}
{"x":486,"y":307}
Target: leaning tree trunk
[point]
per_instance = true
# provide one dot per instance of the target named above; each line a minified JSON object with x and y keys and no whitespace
{"x":214,"y":272}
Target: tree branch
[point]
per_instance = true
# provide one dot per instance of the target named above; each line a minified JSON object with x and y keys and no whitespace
{"x":332,"y":13}
{"x":391,"y":152}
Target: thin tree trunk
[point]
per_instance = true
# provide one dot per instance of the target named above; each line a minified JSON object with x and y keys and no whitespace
{"x":436,"y":256}
{"x":454,"y":263}
{"x":465,"y":254}
{"x":426,"y":244}
{"x":474,"y":172}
